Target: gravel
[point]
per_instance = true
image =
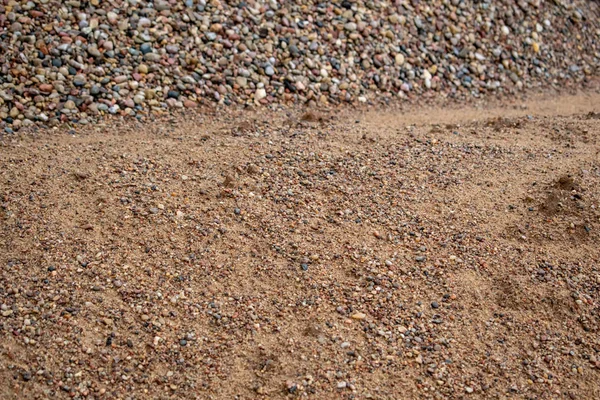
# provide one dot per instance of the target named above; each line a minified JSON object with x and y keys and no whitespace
{"x":126,"y":269}
{"x":75,"y":61}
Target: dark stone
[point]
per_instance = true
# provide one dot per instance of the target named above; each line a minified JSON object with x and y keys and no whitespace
{"x":146,"y":48}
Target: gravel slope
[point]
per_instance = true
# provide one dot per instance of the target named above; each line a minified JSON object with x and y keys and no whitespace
{"x":73,"y":61}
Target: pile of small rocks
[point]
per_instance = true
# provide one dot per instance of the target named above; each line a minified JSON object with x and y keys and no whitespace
{"x":70,"y":61}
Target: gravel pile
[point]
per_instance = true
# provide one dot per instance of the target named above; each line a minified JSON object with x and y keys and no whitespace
{"x":74,"y":60}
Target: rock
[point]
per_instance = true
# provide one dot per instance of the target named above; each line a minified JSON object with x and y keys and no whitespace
{"x":94,"y":52}
{"x":350,"y":26}
{"x":79,"y":80}
{"x":399,"y":59}
{"x":146,"y":48}
{"x":112,"y":17}
{"x":242,"y":81}
{"x":153,"y":57}
{"x":162,"y":5}
{"x":260,"y":94}
{"x":358,"y":316}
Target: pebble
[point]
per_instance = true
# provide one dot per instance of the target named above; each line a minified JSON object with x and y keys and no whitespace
{"x":350,"y":26}
{"x":399,"y":59}
{"x":358,"y":316}
{"x":93,"y":51}
{"x":260,"y":94}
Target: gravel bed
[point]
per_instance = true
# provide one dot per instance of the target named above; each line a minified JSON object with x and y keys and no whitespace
{"x":73,"y":61}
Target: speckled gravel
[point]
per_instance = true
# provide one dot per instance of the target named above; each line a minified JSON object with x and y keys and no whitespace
{"x":72,"y":61}
{"x":440,"y":254}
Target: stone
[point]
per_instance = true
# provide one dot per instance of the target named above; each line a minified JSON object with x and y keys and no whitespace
{"x":350,"y":26}
{"x":94,"y":52}
{"x":153,"y":57}
{"x":146,"y":48}
{"x":162,"y":5}
{"x":399,"y":59}
{"x":260,"y":94}
{"x":358,"y":316}
{"x":242,"y":81}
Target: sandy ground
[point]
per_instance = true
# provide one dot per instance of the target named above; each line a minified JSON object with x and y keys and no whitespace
{"x":420,"y":253}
